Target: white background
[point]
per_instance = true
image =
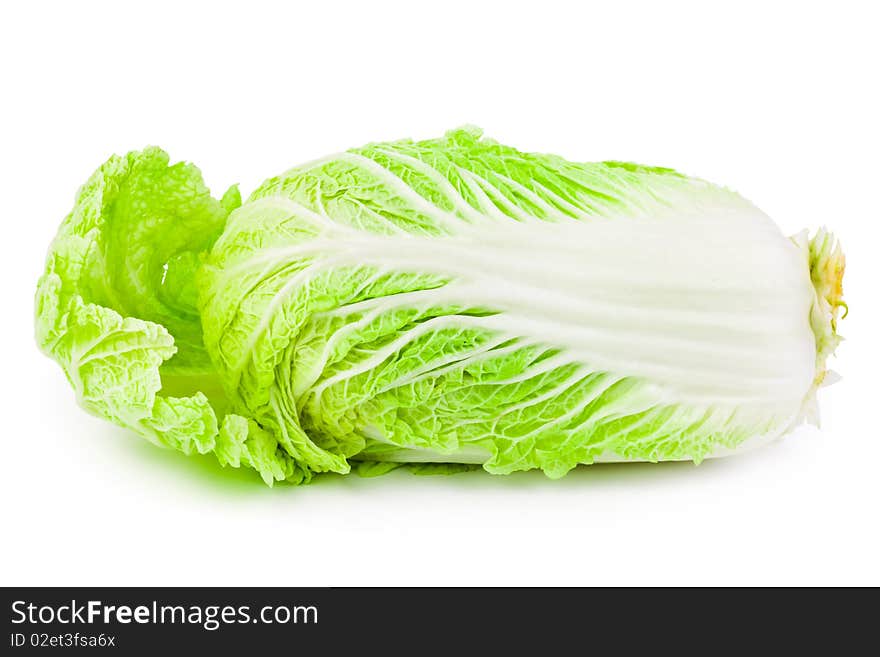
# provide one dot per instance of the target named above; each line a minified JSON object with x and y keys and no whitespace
{"x":778,"y":101}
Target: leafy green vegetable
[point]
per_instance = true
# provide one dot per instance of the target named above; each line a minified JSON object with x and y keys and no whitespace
{"x":448,"y":302}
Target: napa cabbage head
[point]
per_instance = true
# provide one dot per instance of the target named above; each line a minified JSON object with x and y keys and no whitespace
{"x":452,"y":301}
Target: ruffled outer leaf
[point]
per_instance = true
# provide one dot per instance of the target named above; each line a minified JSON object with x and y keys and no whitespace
{"x":115,"y":308}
